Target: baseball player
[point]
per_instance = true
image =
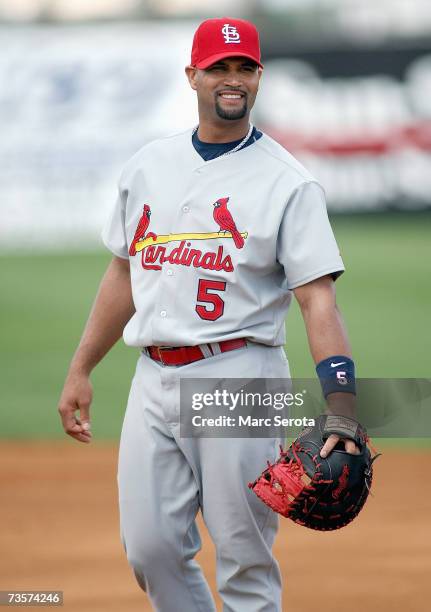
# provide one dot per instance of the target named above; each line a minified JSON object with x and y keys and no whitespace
{"x":213,"y":231}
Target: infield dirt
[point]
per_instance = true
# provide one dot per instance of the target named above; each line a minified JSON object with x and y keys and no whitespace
{"x":59,"y":531}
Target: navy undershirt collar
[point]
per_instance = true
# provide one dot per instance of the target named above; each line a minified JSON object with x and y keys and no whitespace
{"x":211,"y":150}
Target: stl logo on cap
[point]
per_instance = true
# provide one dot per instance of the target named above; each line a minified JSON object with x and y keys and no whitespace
{"x":230,"y":33}
{"x":220,"y":38}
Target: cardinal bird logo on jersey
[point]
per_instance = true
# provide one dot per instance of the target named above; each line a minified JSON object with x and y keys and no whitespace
{"x":181,"y":248}
{"x":224,"y":218}
{"x":143,"y":224}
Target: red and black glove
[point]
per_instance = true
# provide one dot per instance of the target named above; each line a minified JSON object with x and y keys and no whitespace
{"x":319,"y":493}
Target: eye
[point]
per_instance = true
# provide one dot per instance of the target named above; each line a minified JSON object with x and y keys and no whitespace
{"x":216,"y":67}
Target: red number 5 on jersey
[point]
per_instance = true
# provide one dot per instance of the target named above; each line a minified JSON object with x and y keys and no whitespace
{"x":217,"y":305}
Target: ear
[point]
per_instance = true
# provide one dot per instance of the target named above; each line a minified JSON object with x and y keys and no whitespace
{"x":191,"y":73}
{"x":259,"y":74}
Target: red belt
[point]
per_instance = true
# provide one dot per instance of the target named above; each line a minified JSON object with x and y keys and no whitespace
{"x":182,"y":355}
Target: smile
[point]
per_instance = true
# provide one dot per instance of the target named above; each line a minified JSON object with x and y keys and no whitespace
{"x":231,"y":96}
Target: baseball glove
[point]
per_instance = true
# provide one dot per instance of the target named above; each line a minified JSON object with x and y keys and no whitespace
{"x":322,"y":494}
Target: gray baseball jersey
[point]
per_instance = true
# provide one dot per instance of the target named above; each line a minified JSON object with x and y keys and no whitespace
{"x":215,"y":247}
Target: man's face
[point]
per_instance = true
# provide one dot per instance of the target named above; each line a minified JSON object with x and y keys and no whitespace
{"x":226,"y":89}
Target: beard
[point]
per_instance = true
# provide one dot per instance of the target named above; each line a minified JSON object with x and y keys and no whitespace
{"x":231,"y":114}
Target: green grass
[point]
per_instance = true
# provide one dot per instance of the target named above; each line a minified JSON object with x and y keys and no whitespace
{"x":385,"y":297}
{"x":44,"y":307}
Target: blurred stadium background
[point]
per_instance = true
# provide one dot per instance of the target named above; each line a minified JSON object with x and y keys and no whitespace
{"x":83,"y":85}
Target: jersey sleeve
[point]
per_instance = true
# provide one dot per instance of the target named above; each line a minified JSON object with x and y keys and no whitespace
{"x":306,"y":245}
{"x":114,"y":232}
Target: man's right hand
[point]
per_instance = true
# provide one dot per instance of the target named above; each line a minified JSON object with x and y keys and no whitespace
{"x":112,"y":309}
{"x":76,"y":396}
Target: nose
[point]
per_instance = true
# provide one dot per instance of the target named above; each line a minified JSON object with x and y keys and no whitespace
{"x":233,"y":78}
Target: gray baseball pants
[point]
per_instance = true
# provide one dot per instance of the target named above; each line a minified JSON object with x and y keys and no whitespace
{"x":164,"y":480}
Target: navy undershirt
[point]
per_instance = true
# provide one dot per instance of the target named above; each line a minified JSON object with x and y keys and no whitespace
{"x":211,"y":150}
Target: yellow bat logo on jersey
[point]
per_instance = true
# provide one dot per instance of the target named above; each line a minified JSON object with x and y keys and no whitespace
{"x":164,"y":239}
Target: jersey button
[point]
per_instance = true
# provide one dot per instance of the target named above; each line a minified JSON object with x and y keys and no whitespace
{"x":163,"y":313}
{"x":186,"y":209}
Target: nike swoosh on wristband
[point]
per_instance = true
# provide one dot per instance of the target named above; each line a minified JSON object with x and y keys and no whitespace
{"x":335,"y":365}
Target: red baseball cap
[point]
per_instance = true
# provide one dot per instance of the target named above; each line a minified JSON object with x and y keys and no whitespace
{"x":216,"y":39}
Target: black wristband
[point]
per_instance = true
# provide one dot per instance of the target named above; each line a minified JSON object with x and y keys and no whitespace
{"x":337,"y":374}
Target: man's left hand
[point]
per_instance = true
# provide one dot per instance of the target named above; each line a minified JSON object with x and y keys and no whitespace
{"x":333,"y":440}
